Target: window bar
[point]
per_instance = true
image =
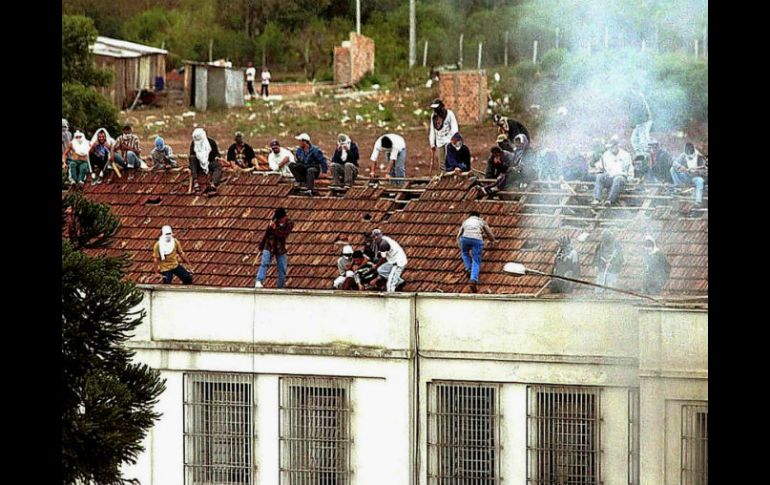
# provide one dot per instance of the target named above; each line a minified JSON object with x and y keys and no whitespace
{"x":633,"y":436}
{"x":694,"y":445}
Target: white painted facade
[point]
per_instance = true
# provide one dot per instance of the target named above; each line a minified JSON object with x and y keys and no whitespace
{"x":395,"y":346}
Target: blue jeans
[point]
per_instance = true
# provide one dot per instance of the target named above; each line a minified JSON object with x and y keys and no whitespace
{"x":615,"y":184}
{"x":180,"y":273}
{"x":280,"y":261}
{"x":399,"y":169}
{"x":132,"y":160}
{"x":473,"y":262}
{"x":687,"y":179}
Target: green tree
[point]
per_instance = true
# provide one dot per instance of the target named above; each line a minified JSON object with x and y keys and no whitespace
{"x":107,"y":400}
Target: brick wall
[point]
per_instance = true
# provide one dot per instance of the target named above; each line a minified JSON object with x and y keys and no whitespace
{"x":353,"y":59}
{"x":291,"y":89}
{"x":465,"y":93}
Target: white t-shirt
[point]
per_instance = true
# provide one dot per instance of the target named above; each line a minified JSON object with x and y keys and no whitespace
{"x":265,"y":77}
{"x":398,"y":145}
{"x":619,"y":164}
{"x":275,"y":158}
{"x":439,"y":138}
{"x":396,"y":254}
{"x":251,"y":73}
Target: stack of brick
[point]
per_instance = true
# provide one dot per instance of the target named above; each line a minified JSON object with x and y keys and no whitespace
{"x":465,"y":93}
{"x":353,"y":59}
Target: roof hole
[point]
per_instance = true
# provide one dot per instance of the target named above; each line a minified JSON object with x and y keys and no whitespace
{"x":367,"y":217}
{"x":153,"y":200}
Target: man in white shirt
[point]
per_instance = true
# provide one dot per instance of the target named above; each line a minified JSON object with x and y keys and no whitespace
{"x":265,"y":82}
{"x":394,"y":148}
{"x":251,"y":74}
{"x":443,"y":124}
{"x":393,"y":262}
{"x":617,"y":170}
{"x":280,"y":158}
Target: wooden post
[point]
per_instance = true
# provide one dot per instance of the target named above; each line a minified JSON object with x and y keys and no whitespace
{"x":425,"y":54}
{"x":505,"y":55}
{"x":557,"y":37}
{"x":696,"y":48}
{"x":534,"y":52}
{"x":358,"y":17}
{"x":460,"y":61}
{"x":412,"y":34}
{"x":480,"y":44}
{"x":705,"y":42}
{"x":211,"y":50}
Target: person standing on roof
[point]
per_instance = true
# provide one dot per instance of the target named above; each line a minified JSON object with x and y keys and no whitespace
{"x":657,"y":269}
{"x":510,"y":128}
{"x":346,"y":277}
{"x":393,"y":260}
{"x":690,"y":168}
{"x":617,"y":170}
{"x":162,"y":155}
{"x":251,"y":74}
{"x":394,"y":147}
{"x":166,"y":253}
{"x":470,"y":238}
{"x":204,"y":156}
{"x":279,"y":158}
{"x":241,"y":154}
{"x":79,"y":167}
{"x":608,"y":261}
{"x":100,"y":155}
{"x":127,"y":150}
{"x":566,"y":263}
{"x":310,"y":163}
{"x":443,"y":124}
{"x":345,"y":161}
{"x":264,"y":91}
{"x":458,"y":156}
{"x":274,"y":244}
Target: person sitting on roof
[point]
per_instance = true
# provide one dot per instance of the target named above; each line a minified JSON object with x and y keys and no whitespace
{"x":566,"y":263}
{"x":658,"y":164}
{"x":79,"y":166}
{"x":394,"y":148}
{"x":127,"y":150}
{"x":470,"y":238}
{"x":458,"y":156}
{"x":162,"y":155}
{"x":274,"y":244}
{"x":617,"y":170}
{"x":345,"y":162}
{"x":657,"y":269}
{"x":100,"y":155}
{"x":310,"y":164}
{"x":392,"y":263}
{"x":204,"y":157}
{"x":608,"y":261}
{"x":501,"y":182}
{"x":166,"y":253}
{"x":279,"y":158}
{"x":346,"y":278}
{"x":549,"y":165}
{"x":690,"y":168}
{"x":575,"y":166}
{"x":510,"y":128}
{"x":364,"y":272}
{"x":241,"y":155}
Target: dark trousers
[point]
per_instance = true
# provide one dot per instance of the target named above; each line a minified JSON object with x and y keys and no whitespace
{"x":180,"y":273}
{"x":97,"y":163}
{"x":215,"y":170}
{"x":303,"y":174}
{"x":250,"y":85}
{"x":263,"y":90}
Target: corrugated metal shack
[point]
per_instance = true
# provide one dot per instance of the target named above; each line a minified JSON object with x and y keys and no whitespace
{"x":135,"y":67}
{"x":212,"y":86}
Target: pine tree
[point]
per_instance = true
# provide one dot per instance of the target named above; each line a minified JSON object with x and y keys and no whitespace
{"x":107,"y":400}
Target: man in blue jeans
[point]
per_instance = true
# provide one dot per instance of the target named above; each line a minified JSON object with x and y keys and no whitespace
{"x":127,"y":151}
{"x":690,"y":168}
{"x":274,"y":244}
{"x":166,"y":254}
{"x":471,"y":239}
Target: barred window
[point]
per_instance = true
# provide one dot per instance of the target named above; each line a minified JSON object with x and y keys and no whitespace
{"x":563,"y":437}
{"x":464,"y":434}
{"x":695,"y":446}
{"x":315,"y":431}
{"x":219,"y":413}
{"x":633,"y":437}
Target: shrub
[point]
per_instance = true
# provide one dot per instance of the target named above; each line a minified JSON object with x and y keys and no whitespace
{"x":87,"y":110}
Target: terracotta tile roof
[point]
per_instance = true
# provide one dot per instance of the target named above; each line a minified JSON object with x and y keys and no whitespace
{"x":221,"y":234}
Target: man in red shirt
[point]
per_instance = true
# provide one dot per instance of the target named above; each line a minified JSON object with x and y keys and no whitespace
{"x":274,"y":244}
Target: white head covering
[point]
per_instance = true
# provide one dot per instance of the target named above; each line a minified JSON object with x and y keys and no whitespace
{"x":110,"y":140}
{"x":80,"y":144}
{"x":65,"y":124}
{"x":166,"y":242}
{"x":654,"y":244}
{"x":202,"y":148}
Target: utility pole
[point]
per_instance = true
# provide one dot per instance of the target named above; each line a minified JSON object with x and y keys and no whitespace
{"x":425,"y":54}
{"x":460,"y":60}
{"x":505,"y":58}
{"x":412,"y":33}
{"x":358,"y":17}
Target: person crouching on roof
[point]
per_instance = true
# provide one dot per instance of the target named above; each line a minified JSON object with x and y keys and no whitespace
{"x":566,"y":263}
{"x":346,"y":278}
{"x":162,"y":155}
{"x":274,"y":244}
{"x":204,"y":156}
{"x":166,"y":253}
{"x":458,"y":156}
{"x":393,"y":260}
{"x":657,"y":269}
{"x":79,"y":167}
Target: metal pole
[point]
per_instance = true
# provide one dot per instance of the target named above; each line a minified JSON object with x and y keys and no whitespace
{"x":480,"y":44}
{"x":696,"y":48}
{"x":412,"y":34}
{"x":557,"y":37}
{"x":425,"y":54}
{"x":534,"y":52}
{"x":460,"y":61}
{"x":505,"y":58}
{"x":574,"y":280}
{"x":358,"y":17}
{"x":211,"y":50}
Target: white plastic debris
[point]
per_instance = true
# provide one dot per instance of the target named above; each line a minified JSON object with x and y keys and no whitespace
{"x":429,"y":83}
{"x":583,"y":237}
{"x":252,"y":116}
{"x":506,"y":99}
{"x":160,"y":123}
{"x":188,"y":114}
{"x":376,"y":87}
{"x":491,"y":103}
{"x":380,"y":107}
{"x":562,"y":111}
{"x":497,"y":77}
{"x":359,"y":118}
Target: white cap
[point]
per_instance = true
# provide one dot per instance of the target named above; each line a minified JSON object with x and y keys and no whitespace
{"x":166,"y":230}
{"x":303,"y":136}
{"x":347,"y":249}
